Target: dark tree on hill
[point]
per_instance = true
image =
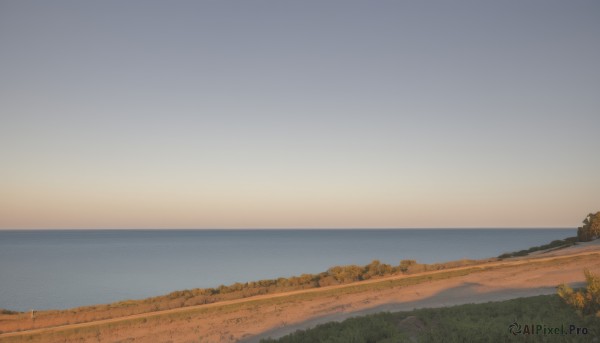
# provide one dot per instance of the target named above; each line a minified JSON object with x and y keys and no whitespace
{"x":590,"y":229}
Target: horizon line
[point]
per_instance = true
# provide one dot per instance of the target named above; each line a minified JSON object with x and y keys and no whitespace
{"x":294,"y":228}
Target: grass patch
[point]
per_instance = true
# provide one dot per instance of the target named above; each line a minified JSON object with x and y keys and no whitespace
{"x":488,"y":322}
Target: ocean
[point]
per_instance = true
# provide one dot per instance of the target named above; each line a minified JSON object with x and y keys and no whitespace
{"x":58,"y":269}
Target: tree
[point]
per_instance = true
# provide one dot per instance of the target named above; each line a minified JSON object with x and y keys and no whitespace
{"x":590,"y":229}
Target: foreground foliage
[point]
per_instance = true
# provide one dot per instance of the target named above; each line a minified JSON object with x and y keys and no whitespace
{"x":587,"y":301}
{"x":487,"y":322}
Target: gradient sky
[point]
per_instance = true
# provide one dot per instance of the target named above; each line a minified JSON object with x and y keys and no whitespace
{"x":305,"y":114}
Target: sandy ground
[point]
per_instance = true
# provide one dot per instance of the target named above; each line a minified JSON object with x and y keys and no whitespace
{"x":517,"y":282}
{"x":249,"y":321}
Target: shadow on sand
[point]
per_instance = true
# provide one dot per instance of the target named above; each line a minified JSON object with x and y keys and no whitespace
{"x":466,"y":293}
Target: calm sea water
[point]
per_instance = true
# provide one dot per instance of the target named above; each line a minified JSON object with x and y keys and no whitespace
{"x":62,"y":269}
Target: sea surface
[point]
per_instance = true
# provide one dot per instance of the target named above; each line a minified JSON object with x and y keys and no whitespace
{"x":58,"y":269}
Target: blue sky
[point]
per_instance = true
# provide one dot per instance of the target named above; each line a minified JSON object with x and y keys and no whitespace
{"x":210,"y":114}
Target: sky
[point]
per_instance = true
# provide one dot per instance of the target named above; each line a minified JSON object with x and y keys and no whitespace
{"x":298,"y":114}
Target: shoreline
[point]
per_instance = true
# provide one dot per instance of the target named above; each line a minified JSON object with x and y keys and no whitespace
{"x":193,"y":270}
{"x":249,"y":319}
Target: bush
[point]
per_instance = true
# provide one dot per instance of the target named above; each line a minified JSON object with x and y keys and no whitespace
{"x":586,"y":302}
{"x":405,"y":264}
{"x":5,"y":311}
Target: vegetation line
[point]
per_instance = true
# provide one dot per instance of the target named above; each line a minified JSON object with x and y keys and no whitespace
{"x":554,"y":245}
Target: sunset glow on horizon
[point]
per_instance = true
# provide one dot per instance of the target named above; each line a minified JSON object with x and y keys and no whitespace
{"x":298,"y":114}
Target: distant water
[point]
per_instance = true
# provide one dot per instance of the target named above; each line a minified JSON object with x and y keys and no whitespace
{"x":62,"y":269}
